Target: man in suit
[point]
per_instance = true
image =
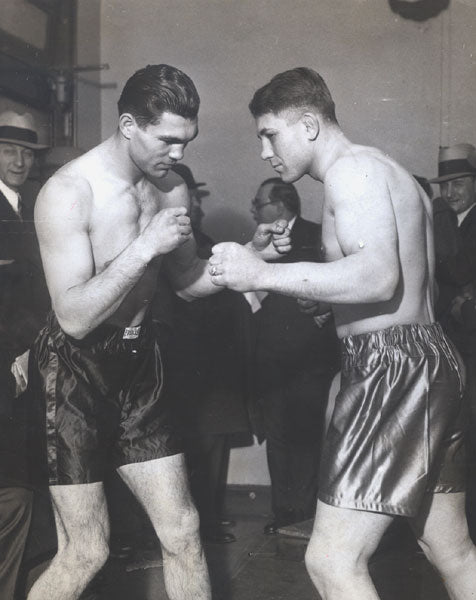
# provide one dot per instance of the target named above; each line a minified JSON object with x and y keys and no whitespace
{"x":295,"y":361}
{"x":21,"y":311}
{"x":207,"y":379}
{"x":455,"y":250}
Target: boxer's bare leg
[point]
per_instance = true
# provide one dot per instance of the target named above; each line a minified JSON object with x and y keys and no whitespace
{"x":161,"y":486}
{"x":442,"y":532}
{"x":341,"y":544}
{"x":82,"y":527}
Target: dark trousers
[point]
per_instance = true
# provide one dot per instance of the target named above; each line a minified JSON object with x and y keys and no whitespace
{"x":470,"y":363}
{"x":15,"y":515}
{"x":293,"y":417}
{"x":207,"y":459}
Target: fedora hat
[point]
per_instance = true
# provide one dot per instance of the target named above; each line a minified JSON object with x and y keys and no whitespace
{"x":19,"y":129}
{"x":455,"y":161}
{"x":186,"y":174}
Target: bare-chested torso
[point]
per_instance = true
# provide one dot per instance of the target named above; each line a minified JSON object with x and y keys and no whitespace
{"x":412,"y":301}
{"x":117,"y":212}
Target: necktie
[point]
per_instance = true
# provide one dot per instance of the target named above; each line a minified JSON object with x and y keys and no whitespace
{"x":20,"y":208}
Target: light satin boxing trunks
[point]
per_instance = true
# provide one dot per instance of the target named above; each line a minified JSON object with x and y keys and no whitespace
{"x":397,"y":429}
{"x":103,"y":401}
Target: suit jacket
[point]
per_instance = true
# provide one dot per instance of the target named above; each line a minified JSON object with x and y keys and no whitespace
{"x":455,"y":269}
{"x":205,"y":361}
{"x":284,"y":333}
{"x":24,"y":298}
{"x":24,"y":303}
{"x":289,"y":344}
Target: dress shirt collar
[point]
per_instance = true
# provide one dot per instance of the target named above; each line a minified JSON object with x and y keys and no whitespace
{"x":12,"y":196}
{"x":463,"y":215}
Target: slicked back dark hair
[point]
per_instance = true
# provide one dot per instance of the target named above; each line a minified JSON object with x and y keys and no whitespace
{"x":284,"y":192}
{"x":157,"y":89}
{"x":300,"y":89}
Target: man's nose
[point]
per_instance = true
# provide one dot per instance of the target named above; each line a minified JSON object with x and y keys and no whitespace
{"x":176,"y":152}
{"x":19,"y":158}
{"x":254,"y":212}
{"x":266,"y":150}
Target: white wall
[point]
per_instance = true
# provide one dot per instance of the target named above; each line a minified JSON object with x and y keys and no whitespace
{"x":389,"y":78}
{"x":88,"y":90}
{"x":248,"y":465}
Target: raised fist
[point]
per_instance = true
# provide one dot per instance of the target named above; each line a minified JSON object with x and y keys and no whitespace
{"x":235,"y":266}
{"x":272,"y":240}
{"x":167,"y":230}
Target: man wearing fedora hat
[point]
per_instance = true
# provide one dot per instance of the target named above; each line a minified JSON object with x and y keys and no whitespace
{"x":455,"y":222}
{"x":21,"y":315}
{"x":455,"y":250}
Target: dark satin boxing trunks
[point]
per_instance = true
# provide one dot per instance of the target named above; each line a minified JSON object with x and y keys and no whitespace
{"x":103,"y":401}
{"x":396,"y":432}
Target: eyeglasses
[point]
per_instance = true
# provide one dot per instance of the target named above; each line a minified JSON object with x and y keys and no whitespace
{"x":256,"y":206}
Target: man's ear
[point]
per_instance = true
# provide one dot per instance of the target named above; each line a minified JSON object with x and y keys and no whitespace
{"x":127,"y":124}
{"x":311,"y":125}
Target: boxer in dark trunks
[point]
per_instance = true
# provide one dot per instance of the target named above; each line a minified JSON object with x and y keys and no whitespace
{"x":106,"y":223}
{"x":395,"y":438}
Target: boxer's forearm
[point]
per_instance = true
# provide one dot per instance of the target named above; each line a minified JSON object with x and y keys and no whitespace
{"x":346,"y":281}
{"x":192,"y":281}
{"x":81,"y":308}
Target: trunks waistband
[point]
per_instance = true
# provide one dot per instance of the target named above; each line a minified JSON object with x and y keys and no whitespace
{"x":396,"y":335}
{"x":100,"y":334}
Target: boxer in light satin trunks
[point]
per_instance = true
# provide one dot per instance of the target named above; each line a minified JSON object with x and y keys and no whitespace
{"x":380,"y":460}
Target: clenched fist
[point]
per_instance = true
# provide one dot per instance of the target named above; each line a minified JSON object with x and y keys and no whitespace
{"x":320,"y":311}
{"x":272,"y":240}
{"x":236,"y":267}
{"x":167,"y":230}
